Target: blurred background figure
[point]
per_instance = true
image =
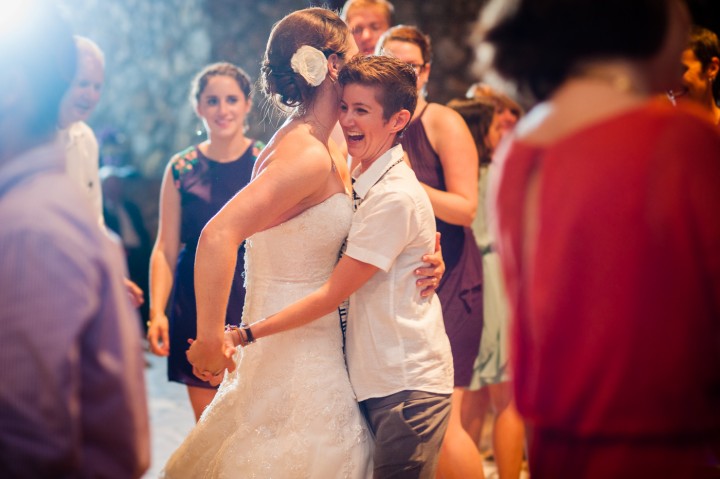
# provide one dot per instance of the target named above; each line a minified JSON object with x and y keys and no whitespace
{"x":490,"y":392}
{"x":507,"y":110}
{"x":81,"y":146}
{"x":701,"y":64}
{"x":73,"y":398}
{"x":608,"y":233}
{"x":123,"y":216}
{"x":444,"y":158}
{"x":198,"y":181}
{"x":367,"y":20}
{"x":78,"y":104}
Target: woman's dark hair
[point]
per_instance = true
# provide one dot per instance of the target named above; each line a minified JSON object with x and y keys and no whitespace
{"x":219,"y":69}
{"x":536,"y":44}
{"x":316,"y":27}
{"x":478,"y":113}
{"x":408,"y":34}
{"x":705,"y":46}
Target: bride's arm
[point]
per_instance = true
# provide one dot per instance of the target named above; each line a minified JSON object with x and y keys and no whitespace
{"x":349,"y":274}
{"x":347,"y":277}
{"x":279,"y":189}
{"x":431,"y":274}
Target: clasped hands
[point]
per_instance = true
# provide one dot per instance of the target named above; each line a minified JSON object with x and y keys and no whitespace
{"x":210,"y":358}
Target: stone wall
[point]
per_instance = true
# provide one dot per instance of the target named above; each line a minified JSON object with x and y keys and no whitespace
{"x":154,"y":47}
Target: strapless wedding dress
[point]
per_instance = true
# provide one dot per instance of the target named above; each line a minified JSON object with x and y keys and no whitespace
{"x":288,"y":410}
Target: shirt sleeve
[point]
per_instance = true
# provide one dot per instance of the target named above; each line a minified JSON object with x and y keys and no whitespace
{"x":382,"y":228}
{"x":70,"y":348}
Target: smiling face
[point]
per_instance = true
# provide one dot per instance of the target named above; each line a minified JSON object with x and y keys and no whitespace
{"x":84,"y":93}
{"x":696,"y":80}
{"x":223,"y":107}
{"x":367,"y":24}
{"x":412,"y":55}
{"x":367,"y":133}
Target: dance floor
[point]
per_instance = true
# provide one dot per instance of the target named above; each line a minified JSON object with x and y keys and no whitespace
{"x":171,"y":417}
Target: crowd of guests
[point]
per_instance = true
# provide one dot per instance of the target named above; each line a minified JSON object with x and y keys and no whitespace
{"x":299,"y":289}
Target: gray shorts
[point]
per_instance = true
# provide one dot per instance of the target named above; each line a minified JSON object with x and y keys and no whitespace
{"x":409,"y":427}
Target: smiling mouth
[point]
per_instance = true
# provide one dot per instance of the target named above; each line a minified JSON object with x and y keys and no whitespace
{"x":355,"y":136}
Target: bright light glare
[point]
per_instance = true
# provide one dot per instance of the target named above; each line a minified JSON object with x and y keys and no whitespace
{"x":13,"y":14}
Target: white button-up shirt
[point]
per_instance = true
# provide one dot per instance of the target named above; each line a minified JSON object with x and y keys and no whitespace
{"x":396,"y":339}
{"x":82,"y":164}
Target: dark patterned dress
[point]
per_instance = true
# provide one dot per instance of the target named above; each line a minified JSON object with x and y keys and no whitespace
{"x":460,"y":290}
{"x":205,"y":186}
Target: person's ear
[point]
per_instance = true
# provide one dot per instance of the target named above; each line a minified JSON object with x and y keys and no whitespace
{"x":713,"y":69}
{"x":400,"y":120}
{"x":334,"y":66}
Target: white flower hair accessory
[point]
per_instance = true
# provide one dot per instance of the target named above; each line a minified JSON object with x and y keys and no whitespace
{"x":310,"y":63}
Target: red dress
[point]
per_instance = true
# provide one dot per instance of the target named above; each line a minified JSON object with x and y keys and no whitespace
{"x":616,"y":305}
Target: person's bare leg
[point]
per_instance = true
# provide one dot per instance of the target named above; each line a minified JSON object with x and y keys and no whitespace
{"x":459,"y":456}
{"x":508,"y":432}
{"x":199,"y":399}
{"x":474,"y":408}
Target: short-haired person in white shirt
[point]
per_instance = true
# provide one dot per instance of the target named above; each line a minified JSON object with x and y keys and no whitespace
{"x":81,"y":146}
{"x":398,"y":354}
{"x":78,"y":104}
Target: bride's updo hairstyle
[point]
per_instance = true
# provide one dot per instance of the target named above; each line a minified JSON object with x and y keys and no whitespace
{"x":315,"y":27}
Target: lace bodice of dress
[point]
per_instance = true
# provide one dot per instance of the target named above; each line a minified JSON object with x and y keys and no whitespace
{"x":290,"y":260}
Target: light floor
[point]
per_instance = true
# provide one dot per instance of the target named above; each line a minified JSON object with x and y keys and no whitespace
{"x":171,"y":417}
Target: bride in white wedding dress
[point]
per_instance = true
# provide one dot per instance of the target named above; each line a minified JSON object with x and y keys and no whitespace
{"x":288,"y":409}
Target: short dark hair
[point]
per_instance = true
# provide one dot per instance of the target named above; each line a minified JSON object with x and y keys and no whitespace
{"x":408,"y":34}
{"x":478,"y":113}
{"x":536,"y":44}
{"x":394,"y":81}
{"x":41,"y":48}
{"x":704,"y":44}
{"x":219,"y":69}
{"x":387,"y":8}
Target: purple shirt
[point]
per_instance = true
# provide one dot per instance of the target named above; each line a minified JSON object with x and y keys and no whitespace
{"x":72,"y":391}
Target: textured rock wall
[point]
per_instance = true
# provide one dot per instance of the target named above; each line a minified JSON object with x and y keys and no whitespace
{"x":154,"y":47}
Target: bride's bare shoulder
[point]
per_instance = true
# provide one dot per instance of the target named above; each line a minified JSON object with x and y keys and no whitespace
{"x":295,"y":148}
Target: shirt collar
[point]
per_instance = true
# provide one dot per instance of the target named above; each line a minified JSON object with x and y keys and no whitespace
{"x":364,"y":180}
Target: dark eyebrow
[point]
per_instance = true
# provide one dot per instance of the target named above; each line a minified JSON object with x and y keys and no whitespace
{"x":360,"y":104}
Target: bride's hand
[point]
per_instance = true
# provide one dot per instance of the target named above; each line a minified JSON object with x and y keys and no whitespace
{"x":431,"y":275}
{"x":229,"y":349}
{"x":209,"y":360}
